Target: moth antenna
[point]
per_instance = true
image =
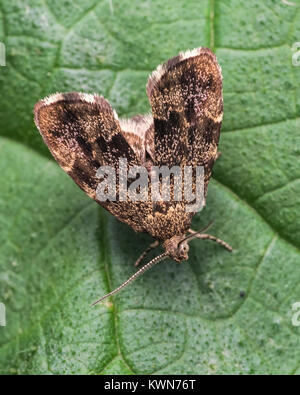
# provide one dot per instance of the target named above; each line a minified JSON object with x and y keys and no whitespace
{"x":194,"y":235}
{"x":142,"y":270}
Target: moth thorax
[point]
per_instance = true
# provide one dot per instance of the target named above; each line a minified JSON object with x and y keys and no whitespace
{"x":176,"y":248}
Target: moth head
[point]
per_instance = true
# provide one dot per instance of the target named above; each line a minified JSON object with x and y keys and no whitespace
{"x":177,"y":248}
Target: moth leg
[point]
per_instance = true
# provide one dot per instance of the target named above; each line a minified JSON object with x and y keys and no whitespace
{"x":205,"y":236}
{"x":147,"y":250}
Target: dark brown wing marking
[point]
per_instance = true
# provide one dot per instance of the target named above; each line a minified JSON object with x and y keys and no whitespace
{"x":82,"y":134}
{"x":187,"y":106}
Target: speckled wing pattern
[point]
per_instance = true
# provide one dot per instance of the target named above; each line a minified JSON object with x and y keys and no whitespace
{"x":185,"y":94}
{"x":83,"y":133}
{"x":139,"y":132}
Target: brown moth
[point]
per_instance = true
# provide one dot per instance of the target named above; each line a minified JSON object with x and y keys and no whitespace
{"x":83,"y":132}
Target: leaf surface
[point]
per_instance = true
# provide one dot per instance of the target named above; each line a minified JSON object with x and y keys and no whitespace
{"x":59,"y":251}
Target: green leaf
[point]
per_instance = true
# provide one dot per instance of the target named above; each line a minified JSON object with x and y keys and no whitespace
{"x":59,"y":251}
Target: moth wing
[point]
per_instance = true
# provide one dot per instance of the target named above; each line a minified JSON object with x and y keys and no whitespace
{"x":139,"y":132}
{"x":185,"y":94}
{"x":83,"y":133}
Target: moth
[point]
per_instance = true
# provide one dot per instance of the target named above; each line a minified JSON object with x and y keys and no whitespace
{"x":83,"y":133}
